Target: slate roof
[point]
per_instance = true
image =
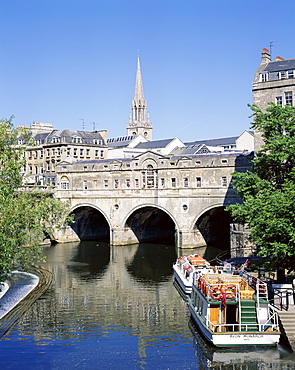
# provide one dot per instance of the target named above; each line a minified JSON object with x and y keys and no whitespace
{"x":154,"y":144}
{"x":87,"y":137}
{"x":120,"y":141}
{"x":214,"y":142}
{"x":280,"y":65}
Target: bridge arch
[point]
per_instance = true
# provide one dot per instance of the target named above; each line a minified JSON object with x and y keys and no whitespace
{"x":149,"y":223}
{"x":90,"y":223}
{"x":213,"y":223}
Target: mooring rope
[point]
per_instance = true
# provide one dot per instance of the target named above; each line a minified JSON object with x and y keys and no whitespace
{"x":9,"y":320}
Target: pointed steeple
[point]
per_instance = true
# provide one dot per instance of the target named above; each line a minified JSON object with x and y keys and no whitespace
{"x":139,"y":124}
{"x":138,"y":94}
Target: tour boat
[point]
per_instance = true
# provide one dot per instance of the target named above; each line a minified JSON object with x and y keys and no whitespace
{"x":185,"y":267}
{"x":233,"y":310}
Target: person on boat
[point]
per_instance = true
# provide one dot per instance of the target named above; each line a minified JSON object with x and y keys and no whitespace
{"x":236,"y":271}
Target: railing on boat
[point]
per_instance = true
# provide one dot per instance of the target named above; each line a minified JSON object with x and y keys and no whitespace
{"x":271,"y":324}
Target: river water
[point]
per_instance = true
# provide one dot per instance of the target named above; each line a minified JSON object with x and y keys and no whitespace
{"x":117,"y":307}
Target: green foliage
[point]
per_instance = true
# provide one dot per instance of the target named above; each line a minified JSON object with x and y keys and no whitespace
{"x":268,"y":193}
{"x":24,"y":216}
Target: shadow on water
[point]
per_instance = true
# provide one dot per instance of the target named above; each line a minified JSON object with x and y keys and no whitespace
{"x":152,"y":262}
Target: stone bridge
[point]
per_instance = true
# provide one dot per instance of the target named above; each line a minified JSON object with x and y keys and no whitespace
{"x":151,"y":198}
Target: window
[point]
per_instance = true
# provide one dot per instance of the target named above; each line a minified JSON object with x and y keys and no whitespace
{"x":288,"y":98}
{"x":96,"y":153}
{"x":290,"y":74}
{"x":31,"y":170}
{"x":185,"y":182}
{"x":224,"y":181}
{"x":279,"y":100}
{"x":75,"y":152}
{"x":87,"y":152}
{"x":173,"y":182}
{"x":163,"y":183}
{"x":81,"y":152}
{"x":282,"y":74}
{"x":47,"y":153}
{"x":128,"y":183}
{"x":199,"y":182}
{"x":64,"y":183}
{"x":77,"y":140}
{"x":85,"y":168}
{"x":136,"y":183}
{"x":101,"y":154}
{"x":264,"y":77}
{"x":106,"y":183}
{"x":58,"y":152}
{"x":150,"y":177}
{"x":97,"y":142}
{"x":85,"y":185}
{"x":30,"y":155}
{"x":41,"y":169}
{"x":36,"y":170}
{"x":41,"y":153}
{"x":224,"y":161}
{"x":68,"y":152}
{"x":35,"y":154}
{"x":116,"y":183}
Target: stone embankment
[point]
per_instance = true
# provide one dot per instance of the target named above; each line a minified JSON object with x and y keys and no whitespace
{"x":24,"y":289}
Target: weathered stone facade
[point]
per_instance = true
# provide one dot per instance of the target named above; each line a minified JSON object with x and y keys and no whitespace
{"x":274,"y":81}
{"x":128,"y":194}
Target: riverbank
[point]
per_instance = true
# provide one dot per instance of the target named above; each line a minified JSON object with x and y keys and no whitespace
{"x":18,"y":294}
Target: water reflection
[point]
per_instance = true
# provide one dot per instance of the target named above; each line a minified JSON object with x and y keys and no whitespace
{"x":110,"y":307}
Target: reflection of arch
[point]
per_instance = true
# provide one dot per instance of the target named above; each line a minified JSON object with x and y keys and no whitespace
{"x":92,"y":260}
{"x":90,"y":223}
{"x":147,"y":264}
{"x":151,"y":224}
{"x":214,"y":225}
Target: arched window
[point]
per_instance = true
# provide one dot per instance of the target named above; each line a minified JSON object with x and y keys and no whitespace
{"x":64,"y":183}
{"x":150,"y":177}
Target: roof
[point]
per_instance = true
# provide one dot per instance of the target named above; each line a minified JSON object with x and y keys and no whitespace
{"x":86,"y":136}
{"x":280,"y":65}
{"x":214,"y":142}
{"x":120,"y":141}
{"x":154,"y":144}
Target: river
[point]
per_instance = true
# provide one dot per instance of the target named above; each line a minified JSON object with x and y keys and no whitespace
{"x":117,"y":307}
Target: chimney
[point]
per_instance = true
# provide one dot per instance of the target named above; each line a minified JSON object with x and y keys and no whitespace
{"x":279,"y":59}
{"x":265,"y":56}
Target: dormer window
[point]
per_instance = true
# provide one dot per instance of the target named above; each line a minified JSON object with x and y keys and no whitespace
{"x":76,"y":139}
{"x":97,"y":142}
{"x":55,"y":140}
{"x":264,"y":77}
{"x":282,"y":74}
{"x":290,"y":74}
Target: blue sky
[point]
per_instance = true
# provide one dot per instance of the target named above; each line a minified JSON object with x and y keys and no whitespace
{"x":67,"y":60}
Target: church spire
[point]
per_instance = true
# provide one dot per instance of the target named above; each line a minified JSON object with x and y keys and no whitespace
{"x":138,"y":94}
{"x":138,"y":124}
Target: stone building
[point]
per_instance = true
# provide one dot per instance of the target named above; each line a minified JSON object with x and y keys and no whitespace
{"x":273,"y":82}
{"x":50,"y":146}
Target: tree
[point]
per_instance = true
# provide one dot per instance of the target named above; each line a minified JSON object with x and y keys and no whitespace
{"x":268,"y":192}
{"x":24,"y":215}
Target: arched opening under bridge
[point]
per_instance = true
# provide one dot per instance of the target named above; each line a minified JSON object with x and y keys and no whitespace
{"x":90,"y":224}
{"x":152,"y":225}
{"x":214,"y":225}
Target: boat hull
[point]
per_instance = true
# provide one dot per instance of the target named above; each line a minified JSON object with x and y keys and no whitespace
{"x":233,"y":339}
{"x":185,"y":285}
